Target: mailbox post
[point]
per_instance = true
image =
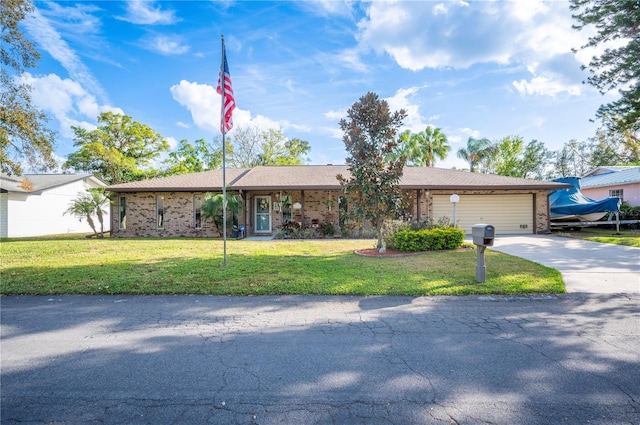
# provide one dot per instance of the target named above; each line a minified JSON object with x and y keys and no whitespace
{"x":483,"y":236}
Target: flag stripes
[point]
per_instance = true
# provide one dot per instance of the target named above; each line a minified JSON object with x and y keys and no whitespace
{"x":229,"y":103}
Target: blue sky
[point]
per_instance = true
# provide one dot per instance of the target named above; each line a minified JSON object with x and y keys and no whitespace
{"x":479,"y":68}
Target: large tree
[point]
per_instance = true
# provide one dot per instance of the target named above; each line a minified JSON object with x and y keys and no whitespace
{"x":24,"y":136}
{"x":370,"y":139}
{"x":116,"y":151}
{"x":573,"y":160}
{"x":252,"y":146}
{"x":193,"y":158}
{"x":511,"y":157}
{"x":614,"y":148}
{"x":618,"y":30}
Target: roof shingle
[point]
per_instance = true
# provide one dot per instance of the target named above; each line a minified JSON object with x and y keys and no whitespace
{"x":323,"y":177}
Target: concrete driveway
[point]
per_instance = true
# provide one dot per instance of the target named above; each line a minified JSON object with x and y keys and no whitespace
{"x":588,"y":267}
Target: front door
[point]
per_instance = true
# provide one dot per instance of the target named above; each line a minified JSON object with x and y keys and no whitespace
{"x":263,"y":214}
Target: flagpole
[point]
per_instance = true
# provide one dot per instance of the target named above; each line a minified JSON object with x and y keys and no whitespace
{"x":224,"y":165}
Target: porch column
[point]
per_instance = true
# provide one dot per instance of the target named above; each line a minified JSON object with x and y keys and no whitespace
{"x":418,"y":199}
{"x":302,"y":203}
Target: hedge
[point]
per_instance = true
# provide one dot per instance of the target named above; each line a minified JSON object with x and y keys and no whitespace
{"x":428,"y":239}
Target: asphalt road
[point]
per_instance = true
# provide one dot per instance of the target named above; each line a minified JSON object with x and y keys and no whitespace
{"x":569,"y":359}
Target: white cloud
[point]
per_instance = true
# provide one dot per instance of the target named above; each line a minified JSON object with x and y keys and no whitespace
{"x":298,"y":127}
{"x":76,"y":19}
{"x":204,"y":104}
{"x":173,"y":142}
{"x":50,"y":40}
{"x":168,"y":45}
{"x":332,"y":132}
{"x":336,"y":115}
{"x":183,"y":125}
{"x":530,"y":34}
{"x":146,"y":13}
{"x":546,"y":86}
{"x":329,"y":8}
{"x":403,"y":99}
{"x":67,"y":101}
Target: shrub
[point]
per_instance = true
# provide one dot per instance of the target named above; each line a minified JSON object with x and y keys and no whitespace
{"x":389,"y":230}
{"x":436,"y":239}
{"x":308,"y":234}
{"x":627,"y":212}
{"x":431,"y":223}
{"x":327,"y":229}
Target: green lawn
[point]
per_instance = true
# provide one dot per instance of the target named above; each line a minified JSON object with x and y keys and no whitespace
{"x":628,"y":237}
{"x":194,"y":266}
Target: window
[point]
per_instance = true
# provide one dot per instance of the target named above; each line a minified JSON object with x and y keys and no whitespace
{"x":122,"y":213}
{"x":343,"y":209}
{"x":616,"y":193}
{"x":197,"y":211}
{"x":160,"y":211}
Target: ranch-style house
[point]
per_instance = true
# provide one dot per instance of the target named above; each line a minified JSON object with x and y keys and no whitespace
{"x":311,"y":195}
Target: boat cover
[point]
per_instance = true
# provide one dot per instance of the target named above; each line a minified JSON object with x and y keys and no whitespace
{"x":571,"y":203}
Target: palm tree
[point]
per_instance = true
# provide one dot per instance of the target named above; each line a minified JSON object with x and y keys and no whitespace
{"x":99,"y":199}
{"x":212,"y":208}
{"x":83,"y":207}
{"x":423,"y":148}
{"x":477,"y":150}
{"x":403,"y":148}
{"x":433,"y":144}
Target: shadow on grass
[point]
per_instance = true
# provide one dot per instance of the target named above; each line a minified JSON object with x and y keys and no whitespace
{"x":439,"y":273}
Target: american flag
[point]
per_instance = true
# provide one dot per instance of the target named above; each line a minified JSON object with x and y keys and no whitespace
{"x":229,"y":103}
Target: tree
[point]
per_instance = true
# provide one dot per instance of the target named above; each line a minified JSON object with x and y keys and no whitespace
{"x":614,"y":148}
{"x":88,"y":204}
{"x":23,"y":131}
{"x":535,"y":161}
{"x":117,"y":150}
{"x":510,"y":157}
{"x":426,"y":146}
{"x":506,"y":158}
{"x":247,"y":144}
{"x":252,"y":147}
{"x":212,"y":209}
{"x":200,"y":156}
{"x":573,"y":159}
{"x":370,"y":139}
{"x":615,"y":20}
{"x":475,"y":152}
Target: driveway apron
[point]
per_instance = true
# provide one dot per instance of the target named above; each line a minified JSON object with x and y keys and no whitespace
{"x":588,"y":267}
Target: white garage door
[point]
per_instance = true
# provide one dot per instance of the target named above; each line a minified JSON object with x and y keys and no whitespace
{"x":510,"y":214}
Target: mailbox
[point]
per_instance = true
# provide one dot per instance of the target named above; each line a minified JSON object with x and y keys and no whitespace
{"x":483,"y":234}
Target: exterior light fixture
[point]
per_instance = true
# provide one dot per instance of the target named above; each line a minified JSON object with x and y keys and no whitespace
{"x":454,"y":200}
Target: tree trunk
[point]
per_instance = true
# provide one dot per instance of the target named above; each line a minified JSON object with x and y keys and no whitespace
{"x":91,"y":223}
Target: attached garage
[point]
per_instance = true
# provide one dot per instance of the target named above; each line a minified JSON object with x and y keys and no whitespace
{"x":510,"y":214}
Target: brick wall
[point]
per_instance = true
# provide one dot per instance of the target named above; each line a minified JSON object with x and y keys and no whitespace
{"x":179,"y":213}
{"x":141,"y":218}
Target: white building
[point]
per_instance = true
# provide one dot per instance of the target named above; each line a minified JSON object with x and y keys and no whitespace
{"x":34,"y":204}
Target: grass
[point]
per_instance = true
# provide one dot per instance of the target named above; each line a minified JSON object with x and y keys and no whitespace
{"x":627,"y":237}
{"x":194,"y":266}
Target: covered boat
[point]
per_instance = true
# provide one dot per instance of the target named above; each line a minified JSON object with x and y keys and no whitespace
{"x":571,"y":205}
